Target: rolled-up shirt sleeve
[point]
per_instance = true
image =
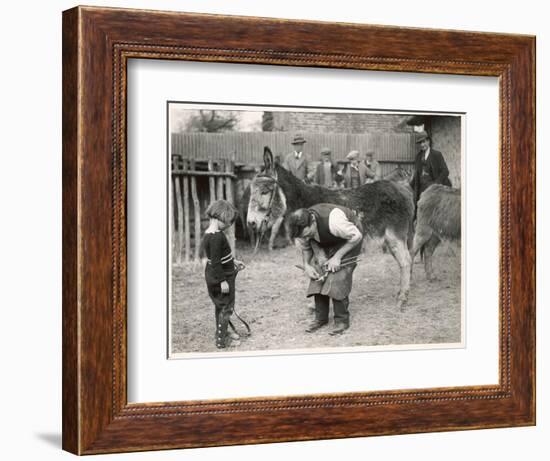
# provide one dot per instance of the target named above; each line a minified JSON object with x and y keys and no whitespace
{"x":340,"y":226}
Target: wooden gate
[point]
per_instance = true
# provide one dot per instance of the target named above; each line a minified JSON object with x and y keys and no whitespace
{"x":195,"y":185}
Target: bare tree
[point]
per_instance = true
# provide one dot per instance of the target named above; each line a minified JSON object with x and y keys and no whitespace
{"x":212,"y":121}
{"x":267,"y":121}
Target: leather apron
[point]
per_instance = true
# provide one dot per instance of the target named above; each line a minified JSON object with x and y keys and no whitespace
{"x":337,"y":285}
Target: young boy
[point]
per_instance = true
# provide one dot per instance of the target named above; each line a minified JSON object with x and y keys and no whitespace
{"x":221,"y":268}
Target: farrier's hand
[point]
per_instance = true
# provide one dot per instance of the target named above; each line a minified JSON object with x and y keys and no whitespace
{"x":311,"y":272}
{"x":333,"y":264}
{"x":225,"y":287}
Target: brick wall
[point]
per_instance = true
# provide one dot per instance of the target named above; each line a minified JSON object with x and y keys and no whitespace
{"x":446,"y":138}
{"x":319,"y":122}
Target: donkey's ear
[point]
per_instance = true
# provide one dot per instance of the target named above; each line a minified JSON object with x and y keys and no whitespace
{"x":268,"y":160}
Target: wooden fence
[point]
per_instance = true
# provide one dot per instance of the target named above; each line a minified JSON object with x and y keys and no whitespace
{"x":188,"y":204}
{"x":247,"y":148}
{"x":204,"y":170}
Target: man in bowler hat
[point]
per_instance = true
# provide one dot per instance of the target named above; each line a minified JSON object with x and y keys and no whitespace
{"x":296,"y":162}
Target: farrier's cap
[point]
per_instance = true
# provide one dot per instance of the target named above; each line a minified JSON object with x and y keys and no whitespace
{"x":326,"y":151}
{"x":298,"y":139}
{"x":421,"y":136}
{"x":353,"y":155}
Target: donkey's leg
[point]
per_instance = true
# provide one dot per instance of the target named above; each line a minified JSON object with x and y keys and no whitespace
{"x":421,"y":236}
{"x":251,"y":235}
{"x":429,"y":248}
{"x":410,"y":240}
{"x":286,"y":231}
{"x":274,"y":231}
{"x":400,"y":251}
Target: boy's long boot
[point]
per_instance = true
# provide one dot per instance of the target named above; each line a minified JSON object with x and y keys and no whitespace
{"x":221,"y":331}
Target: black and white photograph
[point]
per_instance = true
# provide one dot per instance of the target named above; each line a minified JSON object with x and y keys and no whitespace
{"x":313,"y":229}
{"x":275,"y":230}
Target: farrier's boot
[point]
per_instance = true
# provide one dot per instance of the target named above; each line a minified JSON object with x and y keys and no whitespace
{"x":321,"y":313}
{"x":315,"y":325}
{"x":341,"y":316}
{"x":339,"y":328}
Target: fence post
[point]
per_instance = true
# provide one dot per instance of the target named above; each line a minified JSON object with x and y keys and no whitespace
{"x":229,"y":182}
{"x":176,"y":230}
{"x":221,"y":167}
{"x":229,"y":168}
{"x":178,"y":198}
{"x":212,"y":182}
{"x":186,"y":212}
{"x":197,"y":211}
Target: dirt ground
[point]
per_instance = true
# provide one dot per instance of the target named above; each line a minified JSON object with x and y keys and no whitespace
{"x":271,"y":298}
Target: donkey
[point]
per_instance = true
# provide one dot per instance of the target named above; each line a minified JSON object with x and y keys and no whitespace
{"x":279,"y":211}
{"x":385,"y":209}
{"x":402,"y":178}
{"x":273,"y":223}
{"x":438,"y":218}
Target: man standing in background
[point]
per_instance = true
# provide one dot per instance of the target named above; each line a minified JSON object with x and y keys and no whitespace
{"x":429,"y":167}
{"x":325,"y":173}
{"x":355,"y":172}
{"x":374,"y":170}
{"x":296,"y":162}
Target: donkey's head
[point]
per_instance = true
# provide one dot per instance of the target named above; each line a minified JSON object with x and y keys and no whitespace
{"x":398,"y":175}
{"x":267,"y":200}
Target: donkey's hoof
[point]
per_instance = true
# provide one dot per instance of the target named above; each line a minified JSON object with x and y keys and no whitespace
{"x":401,"y":304}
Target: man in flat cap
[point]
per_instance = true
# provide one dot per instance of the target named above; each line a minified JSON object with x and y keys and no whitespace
{"x":326,"y":171}
{"x":329,"y":237}
{"x":296,"y":162}
{"x":429,"y":167}
{"x":355,"y":173}
{"x":374,"y":170}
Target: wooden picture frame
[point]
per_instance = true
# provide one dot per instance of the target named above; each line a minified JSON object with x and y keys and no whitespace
{"x":97,"y":44}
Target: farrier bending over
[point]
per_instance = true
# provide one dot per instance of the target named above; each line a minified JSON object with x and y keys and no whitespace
{"x":329,"y":237}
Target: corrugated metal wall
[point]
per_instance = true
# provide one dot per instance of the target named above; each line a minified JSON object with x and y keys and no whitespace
{"x":446,"y":137}
{"x":248,"y":147}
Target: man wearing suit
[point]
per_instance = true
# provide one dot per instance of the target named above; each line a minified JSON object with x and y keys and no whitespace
{"x":355,"y":172}
{"x":374,"y":170}
{"x":325,"y":173}
{"x":296,"y":162}
{"x":429,"y":167}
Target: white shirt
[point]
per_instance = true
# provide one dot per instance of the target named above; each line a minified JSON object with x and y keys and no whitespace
{"x":427,"y":153}
{"x":339,"y":226}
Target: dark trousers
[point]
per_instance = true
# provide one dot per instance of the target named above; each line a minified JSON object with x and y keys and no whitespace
{"x":224,"y":304}
{"x":322,"y":307}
